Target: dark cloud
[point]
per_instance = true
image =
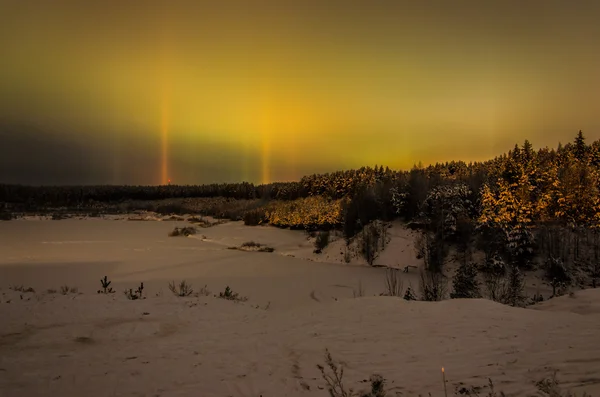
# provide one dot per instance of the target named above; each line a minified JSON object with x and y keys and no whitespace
{"x":29,"y":155}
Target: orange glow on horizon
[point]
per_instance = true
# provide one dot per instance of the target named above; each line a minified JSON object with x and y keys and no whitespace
{"x":207,"y":92}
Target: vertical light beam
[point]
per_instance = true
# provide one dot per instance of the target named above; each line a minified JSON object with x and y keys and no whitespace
{"x":165,"y":100}
{"x":164,"y":137}
{"x":266,"y":159}
{"x":266,"y":130}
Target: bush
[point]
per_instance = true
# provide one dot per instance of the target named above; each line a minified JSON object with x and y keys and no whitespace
{"x":182,"y":290}
{"x":506,"y":288}
{"x":433,"y":284}
{"x":182,"y":231}
{"x":255,"y":217}
{"x":306,"y":213}
{"x":333,"y":375}
{"x":135,"y":294}
{"x":409,"y":295}
{"x":228,"y":294}
{"x":334,"y":378}
{"x":322,"y":240}
{"x":253,"y":246}
{"x":65,"y":290}
{"x":558,"y":274}
{"x":393,"y":283}
{"x":370,"y":242}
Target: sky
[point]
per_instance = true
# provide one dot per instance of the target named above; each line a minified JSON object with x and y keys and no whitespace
{"x":143,"y":91}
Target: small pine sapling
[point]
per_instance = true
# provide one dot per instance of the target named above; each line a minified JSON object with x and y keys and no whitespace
{"x":105,"y":286}
{"x":137,"y":294}
{"x":409,"y":295}
{"x":232,"y":296}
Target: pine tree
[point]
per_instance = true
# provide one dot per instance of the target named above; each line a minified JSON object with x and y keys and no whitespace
{"x":557,"y":273}
{"x":580,"y":148}
{"x":409,"y":295}
{"x":465,"y":284}
{"x":527,"y":151}
{"x":516,"y":286}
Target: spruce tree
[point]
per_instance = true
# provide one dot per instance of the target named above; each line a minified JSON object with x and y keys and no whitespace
{"x":409,"y":295}
{"x":465,"y":284}
{"x":580,"y":149}
{"x":516,"y":286}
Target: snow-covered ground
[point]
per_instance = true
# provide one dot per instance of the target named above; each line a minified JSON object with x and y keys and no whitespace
{"x":299,"y":303}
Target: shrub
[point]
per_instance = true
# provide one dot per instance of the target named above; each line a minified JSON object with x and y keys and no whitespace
{"x":370,"y":242}
{"x":204,"y":291}
{"x":255,"y":217}
{"x":506,"y":288}
{"x":182,"y":290}
{"x":333,"y":377}
{"x":322,"y":240}
{"x":305,"y":213}
{"x":65,"y":290}
{"x":393,"y":283}
{"x":359,"y":292}
{"x":409,"y":295}
{"x":228,"y":294}
{"x":433,"y":285}
{"x":134,"y":295}
{"x":182,"y":231}
{"x":493,"y":265}
{"x":253,"y":246}
{"x":550,"y":387}
{"x":557,"y":273}
{"x":21,"y":288}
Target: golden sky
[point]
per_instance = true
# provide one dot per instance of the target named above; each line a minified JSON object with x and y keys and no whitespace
{"x":140,"y":92}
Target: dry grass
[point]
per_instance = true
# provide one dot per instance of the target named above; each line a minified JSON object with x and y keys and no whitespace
{"x":333,"y":375}
{"x":66,"y":290}
{"x":359,"y":292}
{"x":393,"y":283}
{"x":182,"y":290}
{"x":136,"y":294}
{"x":21,"y":288}
{"x":204,"y":291}
{"x":253,"y":247}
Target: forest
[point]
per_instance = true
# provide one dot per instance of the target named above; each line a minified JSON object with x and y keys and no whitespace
{"x":524,"y":210}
